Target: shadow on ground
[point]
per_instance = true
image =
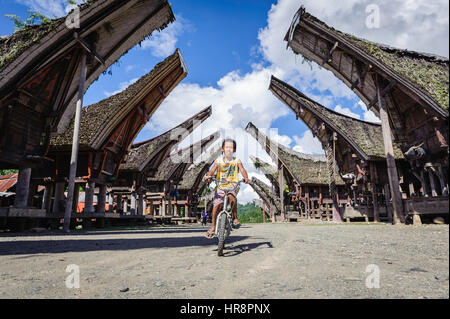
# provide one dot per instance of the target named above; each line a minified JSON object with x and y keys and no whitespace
{"x":84,"y":245}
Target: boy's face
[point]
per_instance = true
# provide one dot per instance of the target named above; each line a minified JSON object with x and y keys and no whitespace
{"x":228,"y":149}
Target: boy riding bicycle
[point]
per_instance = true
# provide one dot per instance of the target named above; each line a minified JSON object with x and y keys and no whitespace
{"x":228,"y":168}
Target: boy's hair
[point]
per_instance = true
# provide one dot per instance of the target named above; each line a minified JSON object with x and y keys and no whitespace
{"x":228,"y":139}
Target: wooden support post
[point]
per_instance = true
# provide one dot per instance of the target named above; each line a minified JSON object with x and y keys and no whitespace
{"x":141,"y":205}
{"x":75,"y":143}
{"x":390,"y":159}
{"x":89,"y":197}
{"x":101,"y":199}
{"x":22,"y":188}
{"x":442,"y":180}
{"x":47,"y":198}
{"x":281,"y":183}
{"x":133,"y":203}
{"x":76,"y":195}
{"x":331,"y":162}
{"x":144,"y":205}
{"x":125,"y":204}
{"x":387,"y":195}
{"x":424,"y":183}
{"x":163,"y":207}
{"x":59,"y":196}
{"x":111,"y":202}
{"x":432,"y":183}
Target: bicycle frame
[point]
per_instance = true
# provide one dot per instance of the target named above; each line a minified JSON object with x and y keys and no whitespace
{"x":225,"y":209}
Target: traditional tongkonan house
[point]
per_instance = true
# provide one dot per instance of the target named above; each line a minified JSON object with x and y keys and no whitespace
{"x":107,"y":130}
{"x":409,"y":92}
{"x":356,"y":147}
{"x":45,"y":70}
{"x":307,"y":180}
{"x":145,"y":158}
{"x":192,"y":185}
{"x":168,"y":177}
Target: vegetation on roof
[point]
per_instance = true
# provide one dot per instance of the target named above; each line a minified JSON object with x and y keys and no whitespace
{"x":426,"y":71}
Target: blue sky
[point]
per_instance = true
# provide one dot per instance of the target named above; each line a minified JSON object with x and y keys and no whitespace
{"x":231,"y":49}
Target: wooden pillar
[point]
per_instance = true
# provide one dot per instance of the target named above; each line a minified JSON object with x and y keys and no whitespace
{"x":119,"y":202}
{"x":59,"y":196}
{"x":331,"y":175}
{"x":140,"y":210}
{"x":281,"y":183}
{"x":424,"y":183}
{"x":125,"y":204}
{"x":432,"y":183}
{"x":144,"y":205}
{"x":22,"y":188}
{"x":89,"y":197}
{"x":443,"y":181}
{"x":101,"y":199}
{"x":75,"y":143}
{"x":110,"y":202}
{"x":376,"y":212}
{"x":163,"y":207}
{"x":47,"y":198}
{"x":389,"y":152}
{"x":133,"y":203}
{"x":387,"y":195}
{"x":76,"y":195}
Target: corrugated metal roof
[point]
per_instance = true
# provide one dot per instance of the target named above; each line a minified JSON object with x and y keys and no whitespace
{"x":8,"y":181}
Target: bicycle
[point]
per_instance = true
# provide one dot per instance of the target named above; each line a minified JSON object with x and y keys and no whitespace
{"x":224,"y":218}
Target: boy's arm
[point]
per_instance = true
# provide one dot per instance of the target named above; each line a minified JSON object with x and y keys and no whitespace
{"x":243,"y":172}
{"x":212,"y":171}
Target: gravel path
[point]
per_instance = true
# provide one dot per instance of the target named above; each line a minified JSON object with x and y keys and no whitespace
{"x":261,"y":261}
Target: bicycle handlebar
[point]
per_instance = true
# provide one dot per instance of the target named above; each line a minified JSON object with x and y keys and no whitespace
{"x":225,"y":182}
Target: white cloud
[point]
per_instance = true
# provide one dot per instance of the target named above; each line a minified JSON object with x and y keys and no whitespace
{"x":163,"y":43}
{"x":346,"y":111}
{"x":49,"y":8}
{"x":308,"y":144}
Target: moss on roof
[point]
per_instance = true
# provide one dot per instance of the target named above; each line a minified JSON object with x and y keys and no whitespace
{"x":95,"y":117}
{"x":306,"y":168}
{"x":366,"y":135}
{"x":427,"y":71}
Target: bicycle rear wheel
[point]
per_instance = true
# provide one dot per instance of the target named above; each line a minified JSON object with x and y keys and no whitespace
{"x":221,"y":234}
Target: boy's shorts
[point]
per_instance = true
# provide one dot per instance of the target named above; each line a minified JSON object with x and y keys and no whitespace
{"x":219,"y":196}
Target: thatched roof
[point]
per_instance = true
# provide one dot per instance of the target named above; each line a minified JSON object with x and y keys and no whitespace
{"x":365,"y":137}
{"x":304,"y":168}
{"x":182,"y":159}
{"x":194,"y":174}
{"x":144,"y":152}
{"x":111,"y":27}
{"x":100,"y":119}
{"x":264,"y":192}
{"x":422,"y":75}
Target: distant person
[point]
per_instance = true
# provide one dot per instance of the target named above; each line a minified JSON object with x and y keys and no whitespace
{"x":204,"y":217}
{"x":228,"y":168}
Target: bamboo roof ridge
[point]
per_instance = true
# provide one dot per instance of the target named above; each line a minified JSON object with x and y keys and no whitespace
{"x":264,"y":192}
{"x":99,"y":120}
{"x":304,"y":168}
{"x":144,"y":152}
{"x":270,"y":171}
{"x":110,"y":27}
{"x":182,"y":159}
{"x":365,"y":137}
{"x":422,"y":75}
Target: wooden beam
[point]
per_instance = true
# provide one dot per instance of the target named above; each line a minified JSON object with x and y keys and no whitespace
{"x":382,"y":93}
{"x":389,"y":151}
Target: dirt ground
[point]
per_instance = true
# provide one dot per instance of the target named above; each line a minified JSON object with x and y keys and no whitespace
{"x":261,"y":261}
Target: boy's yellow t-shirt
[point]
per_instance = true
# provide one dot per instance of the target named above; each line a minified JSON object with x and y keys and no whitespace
{"x":228,"y":171}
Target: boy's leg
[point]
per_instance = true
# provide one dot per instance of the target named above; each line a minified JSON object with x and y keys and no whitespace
{"x":233,"y":202}
{"x":215,"y":211}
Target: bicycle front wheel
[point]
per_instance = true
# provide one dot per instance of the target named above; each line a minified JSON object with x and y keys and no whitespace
{"x":221,"y":234}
